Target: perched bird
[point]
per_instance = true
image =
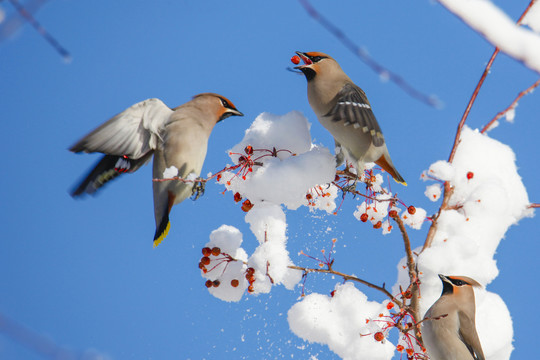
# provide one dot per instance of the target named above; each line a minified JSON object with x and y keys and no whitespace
{"x":344,"y":110}
{"x":175,"y":137}
{"x":449,"y":329}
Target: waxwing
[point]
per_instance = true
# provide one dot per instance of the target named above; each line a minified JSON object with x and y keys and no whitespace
{"x":174,"y":137}
{"x":449,"y":328}
{"x":344,"y":110}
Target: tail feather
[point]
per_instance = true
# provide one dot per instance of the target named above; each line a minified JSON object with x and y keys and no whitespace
{"x":389,"y":168}
{"x":164,"y":225}
{"x":162,"y":230}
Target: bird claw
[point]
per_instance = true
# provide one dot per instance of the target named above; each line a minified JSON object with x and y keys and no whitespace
{"x":198,"y":189}
{"x":350,"y":188}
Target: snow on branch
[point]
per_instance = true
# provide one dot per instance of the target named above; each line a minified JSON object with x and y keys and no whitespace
{"x":496,"y":27}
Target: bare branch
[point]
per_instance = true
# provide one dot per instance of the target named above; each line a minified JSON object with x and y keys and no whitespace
{"x":511,"y":106}
{"x":448,"y":190}
{"x":352,"y":278}
{"x":41,"y":30}
{"x":477,"y":89}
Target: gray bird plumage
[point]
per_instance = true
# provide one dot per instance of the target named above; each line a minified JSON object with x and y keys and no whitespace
{"x":344,"y":110}
{"x":449,"y":328}
{"x":174,"y":137}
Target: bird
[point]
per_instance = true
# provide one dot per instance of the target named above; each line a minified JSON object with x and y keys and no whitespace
{"x":448,"y":328}
{"x":175,"y":137}
{"x":344,"y":110}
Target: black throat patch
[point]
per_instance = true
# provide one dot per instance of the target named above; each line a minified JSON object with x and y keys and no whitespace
{"x":309,"y":73}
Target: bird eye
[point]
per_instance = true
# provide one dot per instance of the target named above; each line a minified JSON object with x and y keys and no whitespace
{"x":225,"y":103}
{"x":317,"y":58}
{"x":458,"y":282}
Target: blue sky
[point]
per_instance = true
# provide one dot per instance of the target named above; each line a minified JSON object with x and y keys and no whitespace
{"x":83,"y":273}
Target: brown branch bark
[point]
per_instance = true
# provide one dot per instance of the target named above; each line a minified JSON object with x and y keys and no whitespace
{"x":352,"y":278}
{"x":448,"y":190}
{"x":511,"y":106}
{"x":414,"y":306}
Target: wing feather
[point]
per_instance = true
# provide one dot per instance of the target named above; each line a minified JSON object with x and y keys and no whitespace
{"x":469,"y":336}
{"x":353,"y":108}
{"x":134,"y":132}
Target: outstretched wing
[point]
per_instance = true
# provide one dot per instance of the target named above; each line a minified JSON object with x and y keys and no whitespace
{"x":134,"y":132}
{"x":353,"y":108}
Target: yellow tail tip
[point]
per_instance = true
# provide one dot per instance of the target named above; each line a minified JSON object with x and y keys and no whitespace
{"x":163,"y":235}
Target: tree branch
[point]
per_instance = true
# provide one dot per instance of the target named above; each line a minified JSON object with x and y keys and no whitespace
{"x":448,"y":190}
{"x":352,"y":278}
{"x":512,"y":106}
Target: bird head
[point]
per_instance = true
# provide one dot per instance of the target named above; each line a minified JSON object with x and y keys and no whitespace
{"x":220,"y":104}
{"x":456,"y":284}
{"x":314,"y":63}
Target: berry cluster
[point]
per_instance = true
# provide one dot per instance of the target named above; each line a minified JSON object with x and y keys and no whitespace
{"x":403,"y":321}
{"x":250,"y":277}
{"x":221,"y":257}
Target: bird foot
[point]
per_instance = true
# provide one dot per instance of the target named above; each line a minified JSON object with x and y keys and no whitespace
{"x":198,"y":189}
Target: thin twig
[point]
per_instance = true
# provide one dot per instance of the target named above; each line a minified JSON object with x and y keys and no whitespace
{"x":368,"y":60}
{"x":533,"y":206}
{"x":41,"y":30}
{"x":352,"y":278}
{"x":512,"y":106}
{"x":448,"y":190}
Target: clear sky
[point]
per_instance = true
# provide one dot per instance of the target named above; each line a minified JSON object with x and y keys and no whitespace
{"x":83,"y":274}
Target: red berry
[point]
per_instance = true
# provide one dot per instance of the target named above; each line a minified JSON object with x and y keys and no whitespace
{"x":208,"y":283}
{"x":470,"y":175}
{"x":248,"y":150}
{"x":234,"y":283}
{"x":333,"y":293}
{"x":411,"y":210}
{"x":309,"y":196}
{"x":379,"y":336}
{"x":247,"y":205}
{"x":205,"y":260}
{"x":295,"y":59}
{"x":392,"y":213}
{"x":201,"y":266}
{"x":250,"y":271}
{"x":215,"y":283}
{"x":389,"y":305}
{"x":237,"y":197}
{"x":400,"y":348}
{"x":377,"y":225}
{"x":218,"y":178}
{"x":242,"y":159}
{"x":364,"y":217}
{"x":216,"y":251}
{"x":251,"y":288}
{"x":206,"y":251}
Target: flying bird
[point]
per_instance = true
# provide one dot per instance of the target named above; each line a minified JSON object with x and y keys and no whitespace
{"x":344,"y":110}
{"x":173,"y":137}
{"x":449,"y":327}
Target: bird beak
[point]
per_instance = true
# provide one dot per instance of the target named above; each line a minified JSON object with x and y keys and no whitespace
{"x":235,"y":112}
{"x":307,"y":61}
{"x":444,"y":278}
{"x":230,"y":112}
